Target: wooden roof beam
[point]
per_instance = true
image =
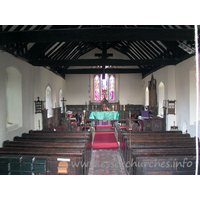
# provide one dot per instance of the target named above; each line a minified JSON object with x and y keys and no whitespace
{"x":99,"y":71}
{"x":96,"y":62}
{"x":96,"y":35}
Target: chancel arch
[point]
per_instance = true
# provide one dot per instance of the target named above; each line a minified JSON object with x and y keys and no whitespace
{"x":13,"y":98}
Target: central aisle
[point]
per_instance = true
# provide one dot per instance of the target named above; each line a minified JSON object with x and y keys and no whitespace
{"x":104,"y":138}
{"x":106,"y":158}
{"x":106,"y":162}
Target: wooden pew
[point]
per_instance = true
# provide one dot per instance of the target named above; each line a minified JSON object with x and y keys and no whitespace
{"x":38,"y":144}
{"x":166,"y":154}
{"x":124,"y":133}
{"x":170,"y":165}
{"x":60,"y":137}
{"x":58,"y":132}
{"x":74,"y":155}
{"x":17,"y":165}
{"x":52,"y":145}
{"x":52,"y":158}
{"x":165,"y":146}
{"x":152,"y":139}
{"x":161,"y":149}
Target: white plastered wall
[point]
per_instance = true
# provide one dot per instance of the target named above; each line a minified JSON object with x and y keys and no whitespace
{"x":165,"y":75}
{"x":180,"y":86}
{"x":186,"y":95}
{"x":44,"y":78}
{"x":34,"y":82}
{"x":26,"y":71}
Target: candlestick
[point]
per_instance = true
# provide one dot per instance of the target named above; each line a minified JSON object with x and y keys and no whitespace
{"x":39,"y":124}
{"x":124,"y":107}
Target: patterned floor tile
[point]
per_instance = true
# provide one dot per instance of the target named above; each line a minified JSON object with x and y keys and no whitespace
{"x":106,"y":162}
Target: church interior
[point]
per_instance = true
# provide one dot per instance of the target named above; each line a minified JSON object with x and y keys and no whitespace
{"x":94,"y":94}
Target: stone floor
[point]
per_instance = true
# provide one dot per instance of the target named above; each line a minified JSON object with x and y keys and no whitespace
{"x":106,"y":162}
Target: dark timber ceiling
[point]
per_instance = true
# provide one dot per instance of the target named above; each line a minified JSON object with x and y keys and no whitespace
{"x":59,"y":47}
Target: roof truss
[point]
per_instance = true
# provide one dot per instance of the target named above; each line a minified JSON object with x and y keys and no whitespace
{"x":147,"y":48}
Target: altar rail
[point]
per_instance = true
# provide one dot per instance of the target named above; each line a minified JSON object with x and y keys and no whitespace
{"x":122,"y":109}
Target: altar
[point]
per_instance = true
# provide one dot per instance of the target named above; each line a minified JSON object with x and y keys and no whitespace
{"x":104,"y":115}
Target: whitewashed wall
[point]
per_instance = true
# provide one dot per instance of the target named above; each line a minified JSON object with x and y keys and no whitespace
{"x":165,"y":75}
{"x":42,"y":79}
{"x":34,"y":82}
{"x":186,"y":95}
{"x":179,"y":85}
{"x":130,"y":89}
{"x":27,"y":73}
{"x":77,"y":89}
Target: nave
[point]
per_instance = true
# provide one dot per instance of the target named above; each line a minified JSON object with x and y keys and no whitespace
{"x":104,"y":150}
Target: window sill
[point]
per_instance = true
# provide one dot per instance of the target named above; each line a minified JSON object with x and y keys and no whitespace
{"x":11,"y":127}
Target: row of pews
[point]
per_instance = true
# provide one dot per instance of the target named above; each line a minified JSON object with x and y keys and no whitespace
{"x":47,"y":153}
{"x":158,"y":152}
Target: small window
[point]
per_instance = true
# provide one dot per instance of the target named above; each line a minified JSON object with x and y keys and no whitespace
{"x":161,"y":97}
{"x":60,"y":100}
{"x":13,"y":99}
{"x":49,"y":101}
{"x":147,"y":97}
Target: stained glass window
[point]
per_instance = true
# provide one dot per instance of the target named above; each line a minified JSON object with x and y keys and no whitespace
{"x":111,"y":88}
{"x":104,"y":87}
{"x":96,"y":88}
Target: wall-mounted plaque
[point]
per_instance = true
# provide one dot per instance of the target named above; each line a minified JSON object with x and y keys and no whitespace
{"x":171,"y":107}
{"x":39,"y":106}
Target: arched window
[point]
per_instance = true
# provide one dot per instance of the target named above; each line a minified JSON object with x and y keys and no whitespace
{"x":112,"y":88}
{"x":48,"y":101}
{"x":161,"y":97}
{"x":104,"y":87}
{"x":60,"y":100}
{"x":147,"y":96}
{"x":96,"y":88}
{"x":13,"y":98}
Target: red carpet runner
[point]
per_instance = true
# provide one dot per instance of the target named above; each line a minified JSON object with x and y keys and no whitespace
{"x":104,"y":139}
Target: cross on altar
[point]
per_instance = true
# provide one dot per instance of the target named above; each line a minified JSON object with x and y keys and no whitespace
{"x":104,"y":94}
{"x":63,"y":104}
